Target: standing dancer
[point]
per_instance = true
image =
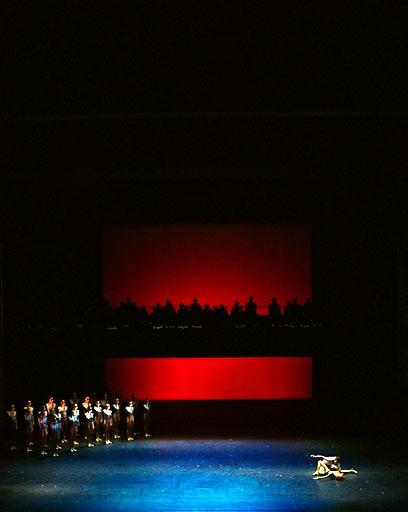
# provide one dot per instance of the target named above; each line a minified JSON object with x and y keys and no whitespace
{"x":73,"y":426}
{"x":50,"y":405}
{"x":54,"y":431}
{"x":50,"y":408}
{"x":63,"y":411}
{"x":147,"y":416}
{"x":12,"y":426}
{"x":58,"y":428}
{"x":85,"y":408}
{"x":43,"y":428}
{"x":29,"y":424}
{"x":73,"y":400}
{"x":98,"y":419}
{"x":116,"y":418}
{"x":89,"y":424}
{"x":136,"y":414}
{"x":108,"y":420}
{"x":130,"y":420}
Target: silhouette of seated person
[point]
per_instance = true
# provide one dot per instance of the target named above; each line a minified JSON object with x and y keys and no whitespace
{"x":207,"y":315}
{"x":126,"y":312}
{"x":129,"y":304}
{"x":250,"y":310}
{"x":274,"y":312}
{"x":237,"y":315}
{"x":195,"y":313}
{"x":223,"y":312}
{"x":289,"y":315}
{"x":220,"y":315}
{"x":120,"y":313}
{"x":297,"y":312}
{"x":169,"y":314}
{"x":144,"y":316}
{"x":215,"y":316}
{"x":131,"y":311}
{"x":157,"y":316}
{"x":183,"y":316}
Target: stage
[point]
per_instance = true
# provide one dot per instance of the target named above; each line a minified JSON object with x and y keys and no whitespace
{"x":206,"y":474}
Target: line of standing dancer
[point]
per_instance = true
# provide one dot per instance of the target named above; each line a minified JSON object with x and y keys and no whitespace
{"x":98,"y":421}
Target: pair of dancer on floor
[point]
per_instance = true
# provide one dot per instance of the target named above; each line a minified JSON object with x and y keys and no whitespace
{"x":329,"y":467}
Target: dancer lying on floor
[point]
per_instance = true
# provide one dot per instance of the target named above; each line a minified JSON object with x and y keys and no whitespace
{"x":335,"y":475}
{"x":326,"y":464}
{"x":329,"y":467}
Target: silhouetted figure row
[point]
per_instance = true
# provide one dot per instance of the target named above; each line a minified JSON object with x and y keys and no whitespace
{"x":101,"y":314}
{"x":195,"y":315}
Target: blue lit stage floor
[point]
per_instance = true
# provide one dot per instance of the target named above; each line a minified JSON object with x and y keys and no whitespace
{"x":203,"y":474}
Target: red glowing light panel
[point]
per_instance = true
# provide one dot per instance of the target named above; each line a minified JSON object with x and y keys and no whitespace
{"x":216,"y":263}
{"x":211,"y":378}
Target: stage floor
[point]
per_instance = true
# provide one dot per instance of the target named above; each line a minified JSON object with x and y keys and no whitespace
{"x":205,"y":474}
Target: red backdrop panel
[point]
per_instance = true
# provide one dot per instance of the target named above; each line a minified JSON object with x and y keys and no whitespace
{"x":216,"y":263}
{"x":211,"y":378}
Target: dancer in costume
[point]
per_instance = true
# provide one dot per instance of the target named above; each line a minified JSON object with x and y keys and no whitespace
{"x":116,"y":418}
{"x":147,"y":416}
{"x":98,"y":419}
{"x":29,"y":424}
{"x":108,"y":420}
{"x":326,"y":464}
{"x":54,"y":426}
{"x":85,"y":407}
{"x":12,"y":426}
{"x":329,"y":467}
{"x":50,"y":405}
{"x":335,"y":475}
{"x":136,"y":414}
{"x":43,"y":428}
{"x":89,"y":424}
{"x":73,"y":400}
{"x":130,"y":420}
{"x":73,"y":420}
{"x":63,"y":411}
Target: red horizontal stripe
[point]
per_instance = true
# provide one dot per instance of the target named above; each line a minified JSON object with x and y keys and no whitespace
{"x":211,"y":378}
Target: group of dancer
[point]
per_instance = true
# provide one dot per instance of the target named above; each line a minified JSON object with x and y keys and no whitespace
{"x":98,"y":419}
{"x":60,"y":424}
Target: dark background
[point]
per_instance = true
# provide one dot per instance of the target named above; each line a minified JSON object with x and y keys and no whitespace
{"x":188,"y":112}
